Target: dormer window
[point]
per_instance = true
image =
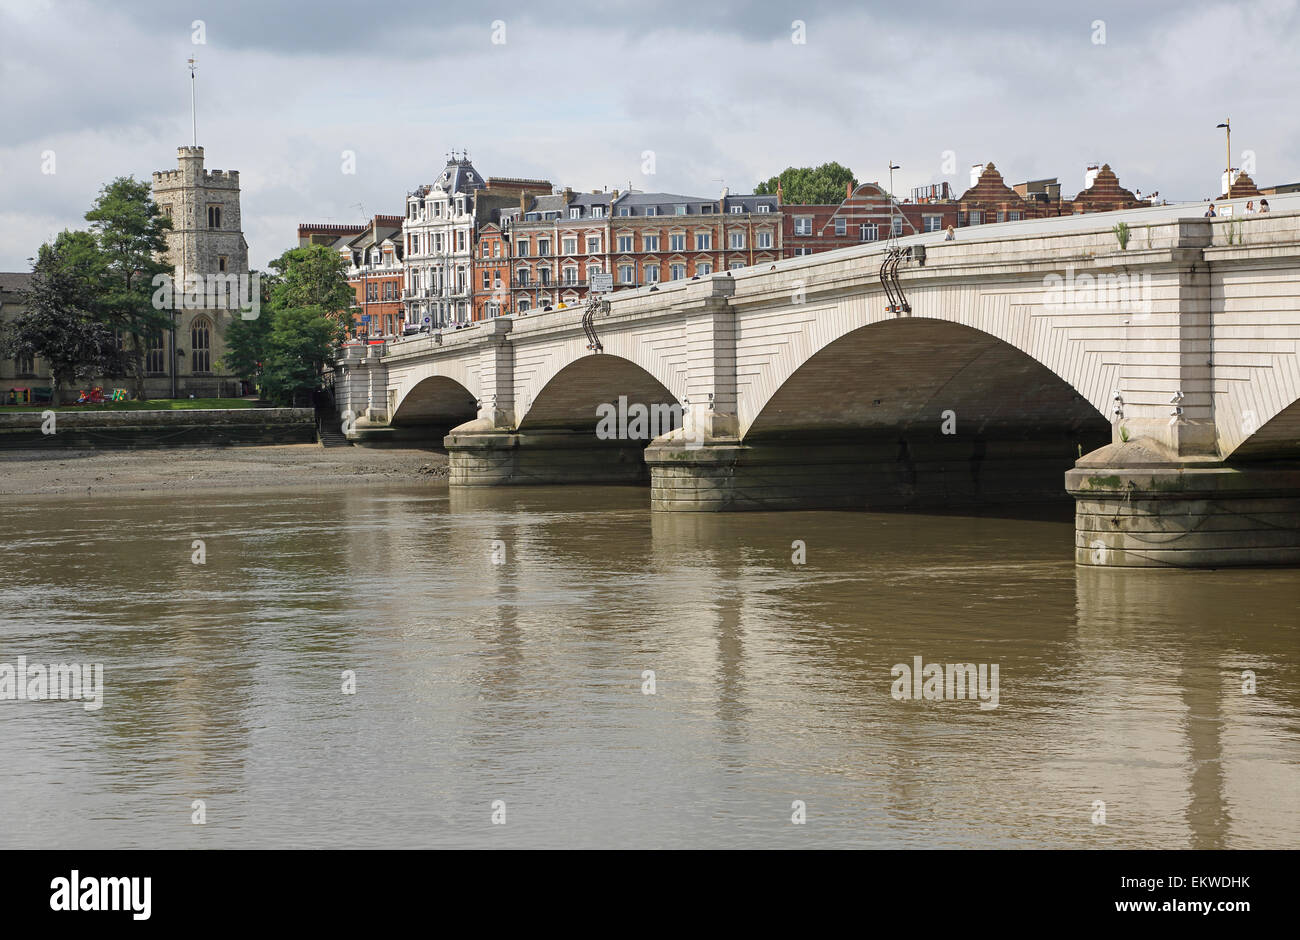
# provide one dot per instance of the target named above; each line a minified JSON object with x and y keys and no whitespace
{"x":764,"y":207}
{"x":679,"y":210}
{"x":651,"y":210}
{"x":575,"y":213}
{"x":737,"y":210}
{"x":597,"y":212}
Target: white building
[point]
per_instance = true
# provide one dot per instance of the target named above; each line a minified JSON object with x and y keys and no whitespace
{"x":439,"y":236}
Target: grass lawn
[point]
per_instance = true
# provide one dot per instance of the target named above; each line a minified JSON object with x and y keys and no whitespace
{"x":156,"y":404}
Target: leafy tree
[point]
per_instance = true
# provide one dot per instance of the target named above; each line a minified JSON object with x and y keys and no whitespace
{"x":806,"y":186}
{"x":301,"y":340}
{"x":246,"y":340}
{"x":62,"y":321}
{"x":314,"y":276}
{"x":131,"y":236}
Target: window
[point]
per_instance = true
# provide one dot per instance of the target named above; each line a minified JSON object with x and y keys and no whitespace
{"x":736,"y":240}
{"x":460,"y":240}
{"x":764,"y":207}
{"x":679,"y":210}
{"x":544,"y":276}
{"x":803,"y":225}
{"x":976,"y":217}
{"x":597,"y":212}
{"x":626,"y":273}
{"x":543,"y":247}
{"x":652,"y":274}
{"x":736,"y":265}
{"x":522,"y":277}
{"x":737,"y":210}
{"x":868,"y":232}
{"x":214,"y":217}
{"x":764,"y":239}
{"x":649,"y":242}
{"x":221,"y":262}
{"x":26,"y":365}
{"x":165,"y":209}
{"x":800,"y":252}
{"x":624,"y":211}
{"x":703,"y":241}
{"x":677,"y":272}
{"x":676,"y":242}
{"x":570,"y":275}
{"x":841,"y":226}
{"x":933,"y":223}
{"x":625,"y":243}
{"x":896,"y":225}
{"x":201,"y":345}
{"x":593,"y":245}
{"x":1013,"y":215}
{"x":704,"y":267}
{"x":521,"y":249}
{"x":487,"y":279}
{"x":570,"y":246}
{"x":523,"y":306}
{"x":651,"y":210}
{"x":575,"y":212}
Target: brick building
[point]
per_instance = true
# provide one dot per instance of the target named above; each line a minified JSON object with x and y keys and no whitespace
{"x":373,"y":255}
{"x":867,"y":214}
{"x":558,"y":242}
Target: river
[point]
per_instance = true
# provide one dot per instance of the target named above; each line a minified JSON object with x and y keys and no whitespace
{"x":561,"y":667}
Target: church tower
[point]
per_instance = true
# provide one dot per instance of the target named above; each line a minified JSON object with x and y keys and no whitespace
{"x":206,"y":239}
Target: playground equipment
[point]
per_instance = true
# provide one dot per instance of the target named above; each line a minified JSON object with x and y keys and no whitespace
{"x":96,"y":396}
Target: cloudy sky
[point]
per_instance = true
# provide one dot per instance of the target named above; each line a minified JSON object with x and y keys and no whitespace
{"x":577,"y":93}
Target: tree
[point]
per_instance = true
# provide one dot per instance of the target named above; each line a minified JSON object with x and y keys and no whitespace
{"x":131,"y":236}
{"x":314,"y":276}
{"x":807,"y":186}
{"x":62,"y":322}
{"x":301,"y":340}
{"x":246,"y":340}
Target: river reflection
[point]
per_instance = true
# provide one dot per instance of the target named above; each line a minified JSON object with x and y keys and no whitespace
{"x":500,"y":641}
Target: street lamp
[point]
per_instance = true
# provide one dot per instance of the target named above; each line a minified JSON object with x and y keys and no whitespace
{"x":1227,"y":129}
{"x":892,"y":201}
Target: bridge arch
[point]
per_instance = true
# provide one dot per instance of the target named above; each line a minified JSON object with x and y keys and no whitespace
{"x":439,"y":394}
{"x":910,"y":375}
{"x":570,"y":398}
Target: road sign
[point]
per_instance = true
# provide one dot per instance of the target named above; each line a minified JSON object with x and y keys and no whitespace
{"x":426,"y":319}
{"x":365,"y":318}
{"x":602,"y":283}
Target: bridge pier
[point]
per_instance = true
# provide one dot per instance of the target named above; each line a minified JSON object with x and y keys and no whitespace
{"x":887,"y":472}
{"x":481,"y":455}
{"x":1137,"y":505}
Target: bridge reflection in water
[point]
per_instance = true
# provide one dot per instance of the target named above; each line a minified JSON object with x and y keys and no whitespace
{"x":523,"y":680}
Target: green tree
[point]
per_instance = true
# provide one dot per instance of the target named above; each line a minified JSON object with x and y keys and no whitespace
{"x":807,"y":186}
{"x":62,"y":320}
{"x":314,"y":276}
{"x":246,"y":340}
{"x":301,"y":340}
{"x":131,"y":235}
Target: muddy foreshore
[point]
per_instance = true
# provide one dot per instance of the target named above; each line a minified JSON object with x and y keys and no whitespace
{"x":180,"y":469}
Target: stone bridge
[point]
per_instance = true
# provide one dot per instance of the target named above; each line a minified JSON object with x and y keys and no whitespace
{"x":1158,"y":378}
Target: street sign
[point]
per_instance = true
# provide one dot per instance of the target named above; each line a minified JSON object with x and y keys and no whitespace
{"x":426,"y":319}
{"x":602,"y":283}
{"x":365,"y":318}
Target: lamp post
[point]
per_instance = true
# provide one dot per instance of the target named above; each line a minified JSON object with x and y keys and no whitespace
{"x":892,"y":201}
{"x":1227,"y":129}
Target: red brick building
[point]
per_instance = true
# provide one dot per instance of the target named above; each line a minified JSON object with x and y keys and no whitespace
{"x":867,"y":214}
{"x":373,"y":258}
{"x":491,"y":272}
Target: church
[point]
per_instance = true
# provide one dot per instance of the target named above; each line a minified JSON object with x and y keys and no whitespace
{"x":207,"y":240}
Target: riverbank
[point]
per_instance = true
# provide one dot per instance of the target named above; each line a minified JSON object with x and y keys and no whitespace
{"x":181,"y":469}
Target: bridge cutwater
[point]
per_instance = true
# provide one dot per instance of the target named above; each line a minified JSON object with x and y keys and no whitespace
{"x":1154,"y":380}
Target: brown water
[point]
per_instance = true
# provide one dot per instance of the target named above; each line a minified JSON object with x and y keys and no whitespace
{"x":522,"y":681}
